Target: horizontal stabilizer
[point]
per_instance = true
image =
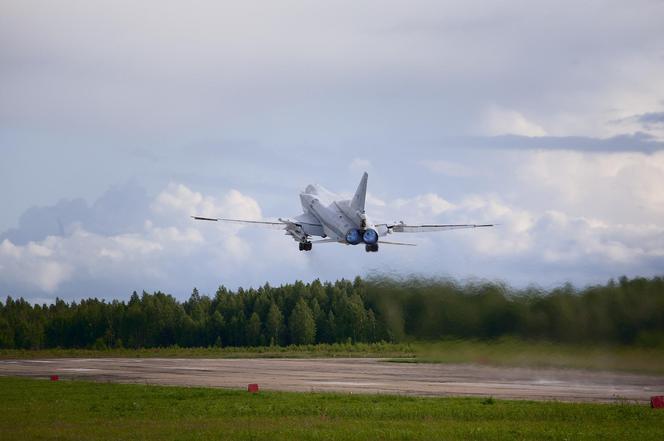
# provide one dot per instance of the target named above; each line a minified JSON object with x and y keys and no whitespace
{"x":304,"y":218}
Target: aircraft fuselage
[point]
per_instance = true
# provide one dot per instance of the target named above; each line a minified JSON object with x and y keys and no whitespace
{"x":338,"y":219}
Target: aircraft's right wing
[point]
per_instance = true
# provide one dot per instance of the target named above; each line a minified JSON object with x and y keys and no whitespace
{"x":405,"y":244}
{"x":401,"y":227}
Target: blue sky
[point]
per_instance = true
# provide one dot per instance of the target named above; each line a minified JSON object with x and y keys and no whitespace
{"x":118,"y":120}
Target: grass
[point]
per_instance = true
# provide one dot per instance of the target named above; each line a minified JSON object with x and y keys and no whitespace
{"x":39,"y":409}
{"x":366,"y":350}
{"x":503,"y":352}
{"x":512,"y":352}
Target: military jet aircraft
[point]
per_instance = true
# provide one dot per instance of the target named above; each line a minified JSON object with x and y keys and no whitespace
{"x":344,"y":222}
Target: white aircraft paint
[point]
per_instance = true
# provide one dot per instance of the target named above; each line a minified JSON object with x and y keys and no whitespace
{"x":344,"y":221}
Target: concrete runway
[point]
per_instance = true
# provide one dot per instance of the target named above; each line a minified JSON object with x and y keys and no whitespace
{"x":352,"y":375}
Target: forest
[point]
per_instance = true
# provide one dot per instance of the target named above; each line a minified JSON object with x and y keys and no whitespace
{"x":626,"y":311}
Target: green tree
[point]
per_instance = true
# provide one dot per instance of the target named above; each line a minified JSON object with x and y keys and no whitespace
{"x":302,"y":324}
{"x":326,"y":333}
{"x":628,"y":311}
{"x":273,"y":324}
{"x":6,"y":334}
{"x":253,"y":330}
{"x":371,"y":331}
{"x":216,"y":327}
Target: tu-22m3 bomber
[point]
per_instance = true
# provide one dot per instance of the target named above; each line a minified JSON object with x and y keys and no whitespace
{"x":345,"y":222}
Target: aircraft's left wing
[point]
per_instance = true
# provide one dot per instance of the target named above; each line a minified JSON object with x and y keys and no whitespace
{"x":277,"y":225}
{"x":401,"y":227}
{"x":300,"y":228}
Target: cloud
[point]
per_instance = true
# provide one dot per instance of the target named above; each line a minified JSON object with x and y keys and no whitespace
{"x":634,"y":142}
{"x":562,"y":215}
{"x":501,"y":121}
{"x":561,"y":225}
{"x":619,"y":187}
{"x":463,"y":111}
{"x":181,"y":201}
{"x":422,"y":206}
{"x":120,"y":209}
{"x":166,"y":246}
{"x":548,"y":247}
{"x":408,"y":70}
{"x":33,"y":265}
{"x":654,"y":118}
{"x":359,"y":165}
{"x":554,"y":238}
{"x":650,"y":123}
{"x":448,"y":168}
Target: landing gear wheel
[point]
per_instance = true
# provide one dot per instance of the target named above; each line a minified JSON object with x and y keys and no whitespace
{"x":305,"y":246}
{"x":371,"y":248}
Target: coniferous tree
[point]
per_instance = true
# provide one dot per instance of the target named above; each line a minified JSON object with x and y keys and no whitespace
{"x":626,"y":311}
{"x":253,"y":330}
{"x":216,"y":327}
{"x":273,"y":324}
{"x":302,"y":324}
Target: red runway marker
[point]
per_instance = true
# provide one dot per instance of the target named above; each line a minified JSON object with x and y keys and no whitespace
{"x":54,"y":378}
{"x":657,"y":402}
{"x":253,"y":388}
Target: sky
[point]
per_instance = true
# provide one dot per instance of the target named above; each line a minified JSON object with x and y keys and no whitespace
{"x":120,"y":119}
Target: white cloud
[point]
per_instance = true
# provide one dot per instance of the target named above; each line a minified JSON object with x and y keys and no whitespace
{"x":215,"y":95}
{"x":618,"y":187}
{"x":501,"y":121}
{"x":359,"y":165}
{"x":235,"y":204}
{"x":421,"y":207}
{"x":374,"y":201}
{"x":565,"y":216}
{"x":170,"y":239}
{"x":177,"y":203}
{"x":390,"y":65}
{"x":34,"y":265}
{"x":512,"y":234}
{"x":562,"y":216}
{"x":448,"y":168}
{"x":178,"y":199}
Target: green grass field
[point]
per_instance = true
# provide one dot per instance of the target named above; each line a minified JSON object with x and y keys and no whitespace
{"x":40,"y":409}
{"x":503,"y":352}
{"x":511,"y":352}
{"x":381,"y":350}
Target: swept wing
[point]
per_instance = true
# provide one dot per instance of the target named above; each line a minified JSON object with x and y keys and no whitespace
{"x":298,"y":228}
{"x":401,"y":227}
{"x":278,"y":225}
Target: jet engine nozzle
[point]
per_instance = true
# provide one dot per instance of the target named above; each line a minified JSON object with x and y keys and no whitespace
{"x":354,"y":237}
{"x":370,"y":236}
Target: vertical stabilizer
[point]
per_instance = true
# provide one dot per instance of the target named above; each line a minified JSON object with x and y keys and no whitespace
{"x":357,"y":203}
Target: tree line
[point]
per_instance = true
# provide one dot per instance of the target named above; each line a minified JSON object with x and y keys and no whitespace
{"x":626,"y":311}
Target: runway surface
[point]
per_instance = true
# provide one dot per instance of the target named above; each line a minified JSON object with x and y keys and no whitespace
{"x":352,"y":375}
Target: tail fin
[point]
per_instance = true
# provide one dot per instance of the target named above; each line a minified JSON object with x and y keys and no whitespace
{"x":357,"y":203}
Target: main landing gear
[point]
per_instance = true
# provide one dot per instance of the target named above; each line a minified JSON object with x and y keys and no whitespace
{"x":305,"y":246}
{"x":371,"y":248}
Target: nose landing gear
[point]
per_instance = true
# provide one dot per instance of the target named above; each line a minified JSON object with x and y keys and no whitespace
{"x":371,"y":248}
{"x":305,"y":246}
